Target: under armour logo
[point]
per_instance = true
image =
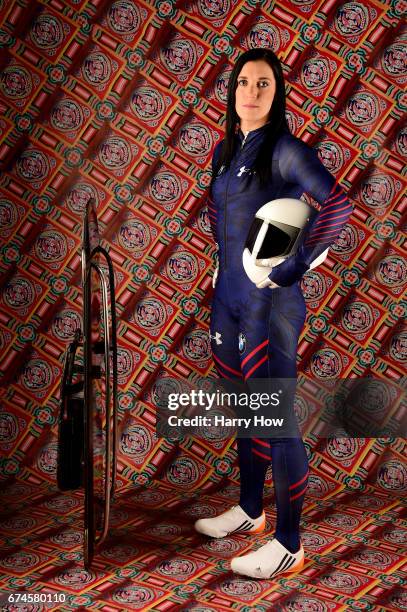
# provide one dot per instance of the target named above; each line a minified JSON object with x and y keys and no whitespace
{"x":217,"y":337}
{"x":242,"y":170}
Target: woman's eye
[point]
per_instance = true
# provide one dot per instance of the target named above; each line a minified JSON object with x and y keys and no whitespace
{"x":243,"y":82}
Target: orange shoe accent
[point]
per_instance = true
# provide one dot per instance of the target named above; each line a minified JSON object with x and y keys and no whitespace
{"x":298,"y":566}
{"x":261,"y":527}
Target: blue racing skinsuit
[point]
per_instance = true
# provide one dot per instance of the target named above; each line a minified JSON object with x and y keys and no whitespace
{"x":254,"y":332}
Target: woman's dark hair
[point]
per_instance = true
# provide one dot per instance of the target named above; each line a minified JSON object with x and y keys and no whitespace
{"x":277,"y":119}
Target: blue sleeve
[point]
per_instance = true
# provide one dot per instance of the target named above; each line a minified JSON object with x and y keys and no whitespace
{"x":212,"y":212}
{"x":300,"y":164}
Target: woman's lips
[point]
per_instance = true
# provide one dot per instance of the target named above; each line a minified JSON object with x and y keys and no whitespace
{"x":249,"y":106}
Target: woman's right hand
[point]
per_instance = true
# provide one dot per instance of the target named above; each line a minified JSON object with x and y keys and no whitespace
{"x":266,"y":283}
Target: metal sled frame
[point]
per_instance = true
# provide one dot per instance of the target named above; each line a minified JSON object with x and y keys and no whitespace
{"x":94,"y":536}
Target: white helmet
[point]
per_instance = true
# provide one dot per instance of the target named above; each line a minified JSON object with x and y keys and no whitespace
{"x":275,"y":234}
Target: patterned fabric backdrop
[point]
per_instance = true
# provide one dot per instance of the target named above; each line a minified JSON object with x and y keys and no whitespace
{"x":123,"y":101}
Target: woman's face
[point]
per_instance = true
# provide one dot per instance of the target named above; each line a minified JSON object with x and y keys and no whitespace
{"x":256,"y":87}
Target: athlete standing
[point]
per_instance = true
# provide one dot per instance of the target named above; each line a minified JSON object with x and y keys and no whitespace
{"x":259,"y":161}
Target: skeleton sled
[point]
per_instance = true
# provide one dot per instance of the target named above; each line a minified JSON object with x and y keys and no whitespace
{"x":87,"y":437}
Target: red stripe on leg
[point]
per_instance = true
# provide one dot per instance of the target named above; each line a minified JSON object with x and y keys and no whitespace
{"x":256,"y":452}
{"x":298,"y":494}
{"x":257,"y":365}
{"x":253,"y":352}
{"x":300,"y":481}
{"x":266,"y":444}
{"x":226,"y":367}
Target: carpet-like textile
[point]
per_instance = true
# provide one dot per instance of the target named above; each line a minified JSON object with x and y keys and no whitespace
{"x":123,"y":101}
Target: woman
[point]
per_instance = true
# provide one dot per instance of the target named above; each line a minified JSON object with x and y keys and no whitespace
{"x":255,"y":328}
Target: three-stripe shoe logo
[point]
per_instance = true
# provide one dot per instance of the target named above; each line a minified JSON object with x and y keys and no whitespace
{"x":268,"y":561}
{"x":243,"y":527}
{"x":286,"y":562}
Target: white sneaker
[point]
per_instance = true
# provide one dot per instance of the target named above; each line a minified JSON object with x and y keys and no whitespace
{"x":268,"y":561}
{"x":229,"y":522}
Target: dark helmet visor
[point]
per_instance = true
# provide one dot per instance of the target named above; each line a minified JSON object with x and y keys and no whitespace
{"x":278,"y":241}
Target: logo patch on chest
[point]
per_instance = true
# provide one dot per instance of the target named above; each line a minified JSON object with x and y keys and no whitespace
{"x":242,"y":170}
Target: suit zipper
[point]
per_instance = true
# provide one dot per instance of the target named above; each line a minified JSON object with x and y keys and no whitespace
{"x":226,"y":197}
